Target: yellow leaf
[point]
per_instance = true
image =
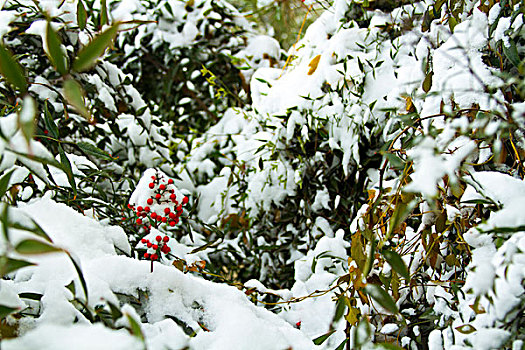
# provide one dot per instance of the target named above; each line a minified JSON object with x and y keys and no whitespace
{"x":313,"y":64}
{"x":352,"y":316}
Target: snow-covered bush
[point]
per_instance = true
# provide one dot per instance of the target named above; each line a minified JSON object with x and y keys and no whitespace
{"x":367,"y":191}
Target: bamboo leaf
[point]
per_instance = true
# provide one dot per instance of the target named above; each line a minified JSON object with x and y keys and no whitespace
{"x":75,"y":96}
{"x":396,"y":262}
{"x":135,"y":327}
{"x":12,"y":70}
{"x":94,"y":49}
{"x":80,"y":276}
{"x":4,"y":182}
{"x":8,"y":265}
{"x":6,"y":310}
{"x":94,"y":151}
{"x":66,"y":166}
{"x":382,"y":297}
{"x":466,"y":329}
{"x":319,"y":340}
{"x":31,"y":246}
{"x":56,"y":55}
{"x":49,"y":122}
{"x":81,"y":15}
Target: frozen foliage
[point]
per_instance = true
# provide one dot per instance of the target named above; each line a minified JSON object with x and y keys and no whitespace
{"x":170,"y":181}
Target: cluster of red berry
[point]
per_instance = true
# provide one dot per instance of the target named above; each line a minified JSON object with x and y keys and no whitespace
{"x":156,"y":248}
{"x":164,"y":197}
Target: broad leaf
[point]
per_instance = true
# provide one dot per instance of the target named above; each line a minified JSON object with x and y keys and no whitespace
{"x":56,"y":55}
{"x":396,"y":262}
{"x":31,"y":246}
{"x":383,"y":298}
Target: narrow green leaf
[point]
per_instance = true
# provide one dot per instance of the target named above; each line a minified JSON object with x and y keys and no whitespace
{"x":80,"y":276}
{"x":66,"y":166}
{"x":50,"y":122}
{"x":26,"y":118}
{"x":382,"y":297}
{"x":56,"y":55}
{"x":93,"y":50}
{"x":6,"y":310}
{"x":390,"y":346}
{"x":12,"y":70}
{"x":8,"y":265}
{"x":31,"y":296}
{"x":319,"y":340}
{"x":370,"y":258}
{"x":94,"y":151}
{"x":396,"y":262}
{"x":35,"y":228}
{"x":115,"y":311}
{"x":81,"y":15}
{"x":363,"y":333}
{"x":103,"y":13}
{"x":342,"y":346}
{"x":75,"y":96}
{"x":135,"y":327}
{"x":4,"y":182}
{"x":31,"y":246}
{"x":340,"y":308}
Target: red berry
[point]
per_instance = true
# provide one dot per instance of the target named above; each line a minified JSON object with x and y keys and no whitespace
{"x":139,"y":222}
{"x":143,"y":214}
{"x":149,"y":244}
{"x":146,"y":209}
{"x":168,"y":249}
{"x":153,"y":215}
{"x":158,"y":238}
{"x":154,"y":256}
{"x":158,"y":218}
{"x":176,"y":220}
{"x":179,"y":207}
{"x":155,"y":246}
{"x":151,"y":185}
{"x":146,"y":255}
{"x":164,"y":219}
{"x":129,"y":206}
{"x":173,"y":197}
{"x":172,"y":191}
{"x":165,"y":239}
{"x":163,"y":249}
{"x":139,"y":208}
{"x":167,"y":211}
{"x":298,"y":324}
{"x":158,"y":196}
{"x":150,"y":201}
{"x":162,"y":187}
{"x":172,"y":223}
{"x":143,"y":240}
{"x":185,"y":200}
{"x":172,"y":215}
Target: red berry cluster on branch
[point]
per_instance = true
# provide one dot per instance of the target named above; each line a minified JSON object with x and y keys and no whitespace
{"x":156,"y":248}
{"x":162,"y":205}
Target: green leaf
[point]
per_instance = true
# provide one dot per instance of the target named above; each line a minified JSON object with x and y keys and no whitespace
{"x":31,"y":296}
{"x":396,"y":262}
{"x":31,"y":246}
{"x":135,"y":327}
{"x":49,"y":122}
{"x":75,"y":96}
{"x":66,"y":166}
{"x":466,"y":329}
{"x":6,"y":310}
{"x":389,"y":346}
{"x":12,"y":70}
{"x":340,"y":308}
{"x":54,"y":45}
{"x":4,"y":182}
{"x":401,"y":212}
{"x":511,"y":53}
{"x":35,"y":228}
{"x":363,"y":333}
{"x":81,"y":15}
{"x":94,"y":151}
{"x":319,"y":340}
{"x":93,"y":50}
{"x":342,"y":345}
{"x":8,"y":265}
{"x":427,"y":83}
{"x":80,"y":276}
{"x":103,"y":13}
{"x":370,"y":258}
{"x":26,"y":118}
{"x":382,"y":297}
